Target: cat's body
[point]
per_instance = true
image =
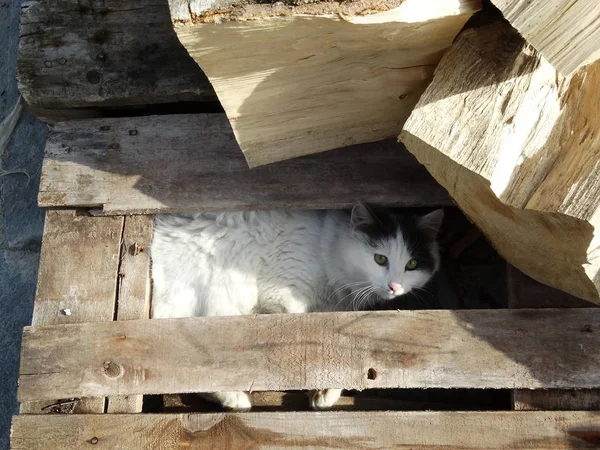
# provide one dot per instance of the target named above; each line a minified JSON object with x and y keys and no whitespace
{"x":217,"y":264}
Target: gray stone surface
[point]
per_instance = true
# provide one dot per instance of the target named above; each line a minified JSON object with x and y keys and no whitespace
{"x":21,"y":222}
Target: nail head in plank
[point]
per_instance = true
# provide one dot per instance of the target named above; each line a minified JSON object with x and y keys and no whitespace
{"x":192,"y":162}
{"x":332,"y":429}
{"x":409,"y":349}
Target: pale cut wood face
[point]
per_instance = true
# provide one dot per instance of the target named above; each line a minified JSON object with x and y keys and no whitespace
{"x":301,"y":84}
{"x":565,"y":32}
{"x":517,"y":146}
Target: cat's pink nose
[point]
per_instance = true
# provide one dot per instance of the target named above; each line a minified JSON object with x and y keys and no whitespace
{"x":396,"y":288}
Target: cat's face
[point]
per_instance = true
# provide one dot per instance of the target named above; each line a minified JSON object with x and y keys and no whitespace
{"x":394,"y":253}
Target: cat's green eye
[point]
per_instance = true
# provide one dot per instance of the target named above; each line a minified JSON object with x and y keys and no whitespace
{"x":412,"y":264}
{"x":380,"y":259}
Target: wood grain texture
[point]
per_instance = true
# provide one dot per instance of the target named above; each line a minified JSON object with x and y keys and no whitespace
{"x":77,"y":276}
{"x":299,"y":84}
{"x":525,"y":292}
{"x":192,"y":162}
{"x":518,"y":148}
{"x":84,"y":53}
{"x":133,"y":291}
{"x":565,"y":32}
{"x":420,"y":349}
{"x":556,"y":400}
{"x":340,"y":430}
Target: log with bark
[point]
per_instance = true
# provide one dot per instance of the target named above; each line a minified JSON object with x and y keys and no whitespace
{"x":517,"y":146}
{"x":297,"y":78}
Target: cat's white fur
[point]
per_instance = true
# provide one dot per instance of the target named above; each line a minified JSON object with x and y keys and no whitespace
{"x":218,"y":264}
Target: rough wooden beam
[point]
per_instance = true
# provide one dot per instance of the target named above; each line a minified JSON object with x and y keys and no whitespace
{"x":298,"y":80}
{"x":84,"y":53}
{"x":525,"y":292}
{"x":517,"y":145}
{"x":192,"y":162}
{"x":77,"y":281}
{"x":420,"y":349}
{"x":565,"y":32}
{"x":340,"y":430}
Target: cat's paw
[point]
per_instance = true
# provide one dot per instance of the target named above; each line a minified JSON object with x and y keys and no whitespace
{"x":231,"y":401}
{"x":236,"y":401}
{"x":324,"y":399}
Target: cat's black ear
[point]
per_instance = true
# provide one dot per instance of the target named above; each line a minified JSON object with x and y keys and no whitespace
{"x":361,"y":217}
{"x":431,"y":223}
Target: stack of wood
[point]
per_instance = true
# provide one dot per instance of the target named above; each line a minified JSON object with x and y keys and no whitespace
{"x":507,"y":125}
{"x":496,"y":124}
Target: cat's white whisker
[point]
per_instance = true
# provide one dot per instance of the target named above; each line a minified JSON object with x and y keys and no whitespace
{"x":354,"y":292}
{"x":345,"y":286}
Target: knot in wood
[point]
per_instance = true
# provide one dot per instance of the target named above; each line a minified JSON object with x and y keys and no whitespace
{"x":371,"y":374}
{"x":112,"y":369}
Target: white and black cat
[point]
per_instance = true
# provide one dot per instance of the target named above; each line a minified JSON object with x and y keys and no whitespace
{"x":219,"y":264}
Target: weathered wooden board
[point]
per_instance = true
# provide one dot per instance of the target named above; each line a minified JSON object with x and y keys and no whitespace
{"x":85,"y":53}
{"x":565,"y":32}
{"x":77,"y":281}
{"x":525,"y":292}
{"x":420,"y":349}
{"x":133,"y":291}
{"x":556,"y":400}
{"x":517,"y":145}
{"x":339,"y":430}
{"x":303,"y":79}
{"x":192,"y":162}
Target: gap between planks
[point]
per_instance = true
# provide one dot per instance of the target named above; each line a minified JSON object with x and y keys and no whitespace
{"x":353,"y":350}
{"x":341,"y":430}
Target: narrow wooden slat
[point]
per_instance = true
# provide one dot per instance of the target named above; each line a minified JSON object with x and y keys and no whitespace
{"x":134,"y":274}
{"x":409,"y":349}
{"x":192,"y":162}
{"x":77,"y":280}
{"x":556,"y":400}
{"x":339,"y":430}
{"x":134,"y":289}
{"x":525,"y":292}
{"x":84,"y":53}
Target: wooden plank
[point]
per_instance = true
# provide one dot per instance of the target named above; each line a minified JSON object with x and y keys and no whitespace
{"x":297,"y":79}
{"x":556,"y":400}
{"x":517,"y":146}
{"x":333,"y":429}
{"x":77,"y":281}
{"x":565,"y":32}
{"x":84,"y":53}
{"x":524,"y":292}
{"x":409,"y":349}
{"x":192,"y":162}
{"x":134,"y":290}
